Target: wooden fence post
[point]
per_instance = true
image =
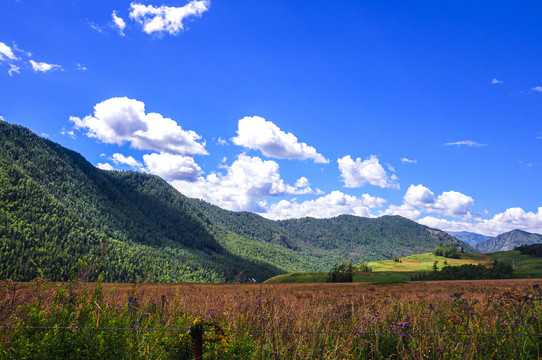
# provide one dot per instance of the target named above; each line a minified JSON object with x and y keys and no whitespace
{"x":198,"y":345}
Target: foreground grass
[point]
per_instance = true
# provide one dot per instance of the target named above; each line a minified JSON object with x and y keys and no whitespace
{"x":430,"y":320}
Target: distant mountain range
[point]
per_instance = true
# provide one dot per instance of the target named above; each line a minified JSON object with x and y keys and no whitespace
{"x":508,"y":241}
{"x":60,"y":215}
{"x":469,"y":237}
{"x":502,"y":242}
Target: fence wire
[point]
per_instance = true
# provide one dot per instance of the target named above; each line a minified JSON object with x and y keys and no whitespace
{"x":253,"y":331}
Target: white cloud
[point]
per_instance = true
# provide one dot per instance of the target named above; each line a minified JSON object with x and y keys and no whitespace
{"x":123,"y":120}
{"x":69,"y":133}
{"x":245,"y":185}
{"x":511,"y":219}
{"x":418,"y":199}
{"x":331,"y":205}
{"x":408,"y":161}
{"x":537,"y":89}
{"x":119,"y":23}
{"x":258,"y":134}
{"x":44,"y":67}
{"x":126,"y":160}
{"x":6,"y":53}
{"x":13,"y":69}
{"x":173,"y":167}
{"x":466,"y":143}
{"x":81,"y":67}
{"x":359,"y":173}
{"x":453,"y":203}
{"x":2,"y":118}
{"x":221,"y":141}
{"x":164,"y":18}
{"x":105,"y":166}
{"x":403,"y":210}
{"x":495,"y":81}
{"x":418,"y":196}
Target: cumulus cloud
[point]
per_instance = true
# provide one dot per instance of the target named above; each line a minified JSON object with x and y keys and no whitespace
{"x":465,"y":142}
{"x":119,"y":23}
{"x":496,"y":81}
{"x":2,"y":118}
{"x":44,"y":67}
{"x":164,"y":18}
{"x":105,"y":166}
{"x":359,"y":173}
{"x":126,"y":160}
{"x":245,"y":185}
{"x":6,"y":53}
{"x":419,"y":196}
{"x":419,"y":199}
{"x":172,"y":167}
{"x":121,"y":120}
{"x":255,"y":133}
{"x":331,"y":205}
{"x":511,"y":219}
{"x":408,"y":161}
{"x":537,"y":88}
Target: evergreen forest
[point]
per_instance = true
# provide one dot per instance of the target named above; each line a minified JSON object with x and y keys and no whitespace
{"x":57,"y":210}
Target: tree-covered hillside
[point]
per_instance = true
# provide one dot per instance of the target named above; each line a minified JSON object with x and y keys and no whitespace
{"x":368,"y":239}
{"x":56,"y":208}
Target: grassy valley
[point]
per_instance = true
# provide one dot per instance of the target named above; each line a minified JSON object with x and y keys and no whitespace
{"x":390,"y":271}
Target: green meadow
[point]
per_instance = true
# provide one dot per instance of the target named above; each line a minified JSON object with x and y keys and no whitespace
{"x":390,"y":271}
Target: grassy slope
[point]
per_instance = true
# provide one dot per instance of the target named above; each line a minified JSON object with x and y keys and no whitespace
{"x":389,"y":271}
{"x":526,"y":266}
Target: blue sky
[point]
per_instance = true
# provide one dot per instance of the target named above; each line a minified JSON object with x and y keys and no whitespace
{"x":429,"y":110}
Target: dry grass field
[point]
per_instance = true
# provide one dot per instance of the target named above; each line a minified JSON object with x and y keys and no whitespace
{"x":437,"y":320}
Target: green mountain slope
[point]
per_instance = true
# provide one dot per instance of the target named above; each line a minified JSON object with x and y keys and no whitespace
{"x":508,"y":241}
{"x":368,"y":239}
{"x":55,"y":208}
{"x":140,"y":222}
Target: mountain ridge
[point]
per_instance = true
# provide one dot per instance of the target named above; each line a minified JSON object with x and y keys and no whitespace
{"x":509,"y":240}
{"x":133,"y":226}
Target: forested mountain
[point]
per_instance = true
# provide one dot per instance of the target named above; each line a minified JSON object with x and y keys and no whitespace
{"x":508,"y":241}
{"x":469,"y":237}
{"x":56,"y":208}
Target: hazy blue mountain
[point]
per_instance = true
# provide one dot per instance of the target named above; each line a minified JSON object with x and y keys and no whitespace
{"x":469,"y":237}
